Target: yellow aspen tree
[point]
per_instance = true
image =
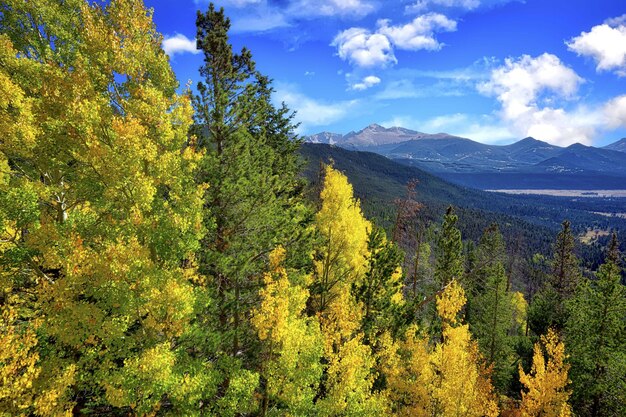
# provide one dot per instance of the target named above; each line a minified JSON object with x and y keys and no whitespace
{"x":546,"y":394}
{"x":405,"y":364}
{"x":99,"y":208}
{"x":291,"y":344}
{"x":340,"y":264}
{"x":460,"y":384}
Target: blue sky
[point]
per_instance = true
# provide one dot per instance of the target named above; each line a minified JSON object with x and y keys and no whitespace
{"x":491,"y":70}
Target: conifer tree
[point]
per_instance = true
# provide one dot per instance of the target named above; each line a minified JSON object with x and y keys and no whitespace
{"x":565,"y":265}
{"x":596,"y":337}
{"x":449,"y":255}
{"x":490,"y":311}
{"x":252,"y":204}
{"x":380,"y":291}
{"x":549,"y":306}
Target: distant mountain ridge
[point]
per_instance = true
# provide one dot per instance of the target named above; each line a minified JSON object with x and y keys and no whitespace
{"x":445,"y":154}
{"x":619,"y":146}
{"x":373,"y":135}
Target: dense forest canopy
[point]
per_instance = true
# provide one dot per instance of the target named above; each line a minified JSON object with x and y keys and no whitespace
{"x":162,"y":255}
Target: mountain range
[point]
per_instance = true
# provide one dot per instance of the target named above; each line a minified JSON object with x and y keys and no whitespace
{"x":470,"y":163}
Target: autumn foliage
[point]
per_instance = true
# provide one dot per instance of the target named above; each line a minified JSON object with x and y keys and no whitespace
{"x":158,"y":255}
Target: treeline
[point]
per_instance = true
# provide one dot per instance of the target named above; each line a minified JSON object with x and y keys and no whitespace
{"x":158,"y":257}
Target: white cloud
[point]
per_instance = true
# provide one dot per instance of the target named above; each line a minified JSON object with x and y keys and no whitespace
{"x":422,"y":5}
{"x":260,"y":19}
{"x":419,"y":33}
{"x":615,"y":112}
{"x":481,"y":128}
{"x":365,"y":83}
{"x":363,"y":48}
{"x":616,"y":21}
{"x":308,"y":9}
{"x":179,"y":44}
{"x":406,"y":88}
{"x":264,"y":15}
{"x":311,"y":112}
{"x":606,"y":44}
{"x":519,"y":85}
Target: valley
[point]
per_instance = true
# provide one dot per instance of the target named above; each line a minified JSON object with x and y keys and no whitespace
{"x":566,"y":193}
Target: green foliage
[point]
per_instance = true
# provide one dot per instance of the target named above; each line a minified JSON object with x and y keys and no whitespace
{"x":596,"y":336}
{"x":380,"y":291}
{"x":490,"y":311}
{"x":549,"y":308}
{"x":150,"y":265}
{"x":449,"y":251}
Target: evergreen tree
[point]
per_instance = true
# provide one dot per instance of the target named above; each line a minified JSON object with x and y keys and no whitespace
{"x":252,"y":204}
{"x":380,"y":292}
{"x":449,"y":255}
{"x":565,"y":265}
{"x":490,"y":311}
{"x":549,"y":306}
{"x":596,"y":336}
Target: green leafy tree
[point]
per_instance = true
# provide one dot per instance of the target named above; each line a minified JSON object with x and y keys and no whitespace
{"x":99,"y":210}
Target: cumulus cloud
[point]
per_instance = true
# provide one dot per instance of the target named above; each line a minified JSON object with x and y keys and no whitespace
{"x":179,"y":44}
{"x":527,"y":87}
{"x":605,"y":44}
{"x":364,"y":49}
{"x":615,"y":112}
{"x":418,"y":34}
{"x":365,"y":83}
{"x":311,"y":112}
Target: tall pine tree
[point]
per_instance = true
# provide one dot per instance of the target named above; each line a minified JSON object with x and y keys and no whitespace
{"x":596,"y":341}
{"x":252,"y":203}
{"x":549,"y":306}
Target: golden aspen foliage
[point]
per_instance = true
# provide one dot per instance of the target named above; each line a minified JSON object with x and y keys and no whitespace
{"x":100,"y":211}
{"x":20,"y":388}
{"x":545,"y":391}
{"x":406,"y":366}
{"x":520,"y":311}
{"x":345,"y":232}
{"x":460,"y":384}
{"x":340,"y":264}
{"x":291,"y":343}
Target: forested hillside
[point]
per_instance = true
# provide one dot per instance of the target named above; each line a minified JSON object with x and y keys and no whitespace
{"x":161,"y":253}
